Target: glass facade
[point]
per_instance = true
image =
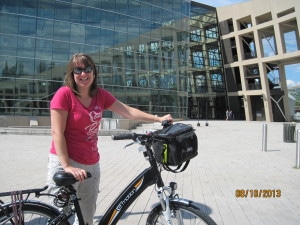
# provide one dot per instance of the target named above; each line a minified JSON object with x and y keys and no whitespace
{"x":141,"y":48}
{"x":206,"y":81}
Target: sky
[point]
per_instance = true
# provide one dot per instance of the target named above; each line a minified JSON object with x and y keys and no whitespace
{"x":292,"y":72}
{"x":219,"y":3}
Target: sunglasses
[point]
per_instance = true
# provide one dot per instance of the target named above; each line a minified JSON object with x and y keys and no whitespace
{"x":79,"y":70}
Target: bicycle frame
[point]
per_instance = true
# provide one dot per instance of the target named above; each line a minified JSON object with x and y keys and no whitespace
{"x":118,"y":207}
{"x":145,"y":179}
{"x":127,"y":197}
{"x":170,"y":208}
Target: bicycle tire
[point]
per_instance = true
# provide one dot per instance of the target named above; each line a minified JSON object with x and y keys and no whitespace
{"x":181,"y":213}
{"x":35,"y":213}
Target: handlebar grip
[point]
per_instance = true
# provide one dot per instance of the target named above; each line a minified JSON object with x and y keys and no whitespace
{"x":166,"y":123}
{"x":123,"y":136}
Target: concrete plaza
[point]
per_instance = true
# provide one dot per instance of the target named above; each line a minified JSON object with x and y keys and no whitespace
{"x":230,"y":162}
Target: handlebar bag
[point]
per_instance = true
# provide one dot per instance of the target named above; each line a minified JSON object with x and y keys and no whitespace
{"x":175,"y":144}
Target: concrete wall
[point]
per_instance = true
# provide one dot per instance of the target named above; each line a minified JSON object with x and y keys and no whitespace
{"x":24,"y":121}
{"x":254,"y":22}
{"x":44,"y":121}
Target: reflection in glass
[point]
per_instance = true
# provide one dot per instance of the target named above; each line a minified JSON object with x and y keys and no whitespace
{"x":141,"y":49}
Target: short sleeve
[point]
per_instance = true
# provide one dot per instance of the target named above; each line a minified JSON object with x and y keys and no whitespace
{"x":108,"y":98}
{"x":61,"y":99}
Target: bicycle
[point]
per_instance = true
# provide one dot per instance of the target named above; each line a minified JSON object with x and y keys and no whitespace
{"x":170,"y":210}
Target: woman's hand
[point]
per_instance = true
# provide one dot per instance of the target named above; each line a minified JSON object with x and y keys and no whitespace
{"x":78,"y":173}
{"x":165,"y":117}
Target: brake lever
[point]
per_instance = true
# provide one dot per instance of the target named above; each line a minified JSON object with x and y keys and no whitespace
{"x":128,"y":145}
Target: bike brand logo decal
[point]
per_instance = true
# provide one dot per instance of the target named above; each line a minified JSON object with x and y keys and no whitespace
{"x":165,"y":153}
{"x":126,"y":199}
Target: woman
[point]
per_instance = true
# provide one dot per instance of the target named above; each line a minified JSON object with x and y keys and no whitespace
{"x":76,"y":111}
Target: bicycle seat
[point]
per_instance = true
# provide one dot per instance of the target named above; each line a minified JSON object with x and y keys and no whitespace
{"x":62,"y":178}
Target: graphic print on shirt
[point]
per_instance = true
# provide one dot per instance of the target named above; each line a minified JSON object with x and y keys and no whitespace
{"x":93,"y":128}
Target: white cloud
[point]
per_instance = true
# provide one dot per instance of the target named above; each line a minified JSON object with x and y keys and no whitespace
{"x":290,"y":83}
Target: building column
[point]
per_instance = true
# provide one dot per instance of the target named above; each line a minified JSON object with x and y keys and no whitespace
{"x":286,"y":105}
{"x":279,"y":39}
{"x":246,"y":98}
{"x":266,"y":92}
{"x":248,"y":108}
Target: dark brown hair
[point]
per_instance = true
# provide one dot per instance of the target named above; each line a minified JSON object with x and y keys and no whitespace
{"x":69,"y":78}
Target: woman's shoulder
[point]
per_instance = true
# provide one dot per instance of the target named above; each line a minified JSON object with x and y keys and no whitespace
{"x":64,"y":90}
{"x":61,"y":98}
{"x":106,"y":97}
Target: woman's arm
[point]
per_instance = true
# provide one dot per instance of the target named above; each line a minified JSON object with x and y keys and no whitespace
{"x":136,"y":114}
{"x":58,"y":125}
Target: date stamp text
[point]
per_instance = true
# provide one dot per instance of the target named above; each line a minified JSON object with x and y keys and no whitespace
{"x":258,"y":193}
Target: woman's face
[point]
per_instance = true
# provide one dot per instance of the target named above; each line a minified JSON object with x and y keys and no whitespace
{"x":83,"y":76}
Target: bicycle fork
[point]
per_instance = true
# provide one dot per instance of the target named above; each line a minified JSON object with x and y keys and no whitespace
{"x":165,"y":201}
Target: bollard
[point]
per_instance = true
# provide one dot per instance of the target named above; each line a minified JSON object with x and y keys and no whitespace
{"x":264,"y":137}
{"x":298,"y":150}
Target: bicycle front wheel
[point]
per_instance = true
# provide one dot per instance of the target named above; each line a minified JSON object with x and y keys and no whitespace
{"x":32,"y":213}
{"x":180,"y":214}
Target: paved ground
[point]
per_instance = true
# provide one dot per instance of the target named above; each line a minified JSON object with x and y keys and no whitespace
{"x":230,"y":161}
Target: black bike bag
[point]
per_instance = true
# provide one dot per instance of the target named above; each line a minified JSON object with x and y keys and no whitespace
{"x":175,"y":145}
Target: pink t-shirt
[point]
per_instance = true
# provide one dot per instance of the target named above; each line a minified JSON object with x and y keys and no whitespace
{"x":83,"y":123}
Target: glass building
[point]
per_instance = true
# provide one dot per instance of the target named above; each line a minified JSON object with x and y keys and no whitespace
{"x":157,"y":55}
{"x":206,"y":87}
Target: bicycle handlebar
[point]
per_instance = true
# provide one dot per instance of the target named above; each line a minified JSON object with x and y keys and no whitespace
{"x":166,"y":123}
{"x":134,"y":136}
{"x":131,"y":136}
{"x":123,"y":136}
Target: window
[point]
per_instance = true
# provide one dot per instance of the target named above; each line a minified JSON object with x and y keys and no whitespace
{"x":195,"y":35}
